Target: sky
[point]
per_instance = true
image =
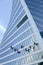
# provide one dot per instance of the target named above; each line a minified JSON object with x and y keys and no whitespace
{"x":5,"y":12}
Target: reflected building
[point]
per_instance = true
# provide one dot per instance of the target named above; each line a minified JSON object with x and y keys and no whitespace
{"x":22,"y":43}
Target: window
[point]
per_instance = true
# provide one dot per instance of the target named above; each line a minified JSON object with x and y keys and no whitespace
{"x":22,"y":21}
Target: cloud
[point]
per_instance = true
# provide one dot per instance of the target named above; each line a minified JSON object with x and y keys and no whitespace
{"x":2,"y":28}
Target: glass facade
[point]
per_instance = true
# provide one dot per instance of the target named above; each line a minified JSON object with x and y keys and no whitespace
{"x":22,"y":43}
{"x":36,"y":9}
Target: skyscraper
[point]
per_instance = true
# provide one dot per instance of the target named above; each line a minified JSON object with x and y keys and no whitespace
{"x":22,"y":43}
